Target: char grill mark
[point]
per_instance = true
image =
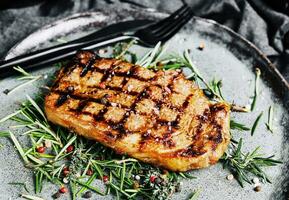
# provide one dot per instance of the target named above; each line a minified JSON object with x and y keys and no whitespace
{"x":128,"y":75}
{"x":88,"y":66}
{"x":151,"y":110}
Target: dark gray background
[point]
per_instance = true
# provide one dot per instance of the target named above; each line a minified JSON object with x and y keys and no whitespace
{"x":264,"y":22}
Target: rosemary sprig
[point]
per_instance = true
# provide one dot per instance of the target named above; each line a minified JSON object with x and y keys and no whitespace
{"x":245,"y":164}
{"x":20,"y":184}
{"x":255,"y":124}
{"x":269,"y":124}
{"x":151,"y":58}
{"x":238,"y":126}
{"x":86,"y":156}
{"x":24,"y":76}
{"x":88,"y":185}
{"x":256,"y":90}
{"x":215,"y":86}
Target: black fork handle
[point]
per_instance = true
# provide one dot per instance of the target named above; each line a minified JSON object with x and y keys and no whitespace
{"x":55,"y":54}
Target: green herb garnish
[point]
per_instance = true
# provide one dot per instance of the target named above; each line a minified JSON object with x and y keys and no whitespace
{"x":20,"y":184}
{"x":269,"y":124}
{"x":256,"y":90}
{"x":255,"y":124}
{"x":243,"y":164}
{"x":238,"y":126}
{"x":120,"y":171}
{"x":25,"y":76}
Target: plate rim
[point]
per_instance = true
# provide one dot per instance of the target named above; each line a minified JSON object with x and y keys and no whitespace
{"x":212,"y":22}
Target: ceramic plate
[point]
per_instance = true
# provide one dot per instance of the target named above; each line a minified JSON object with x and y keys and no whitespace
{"x":226,"y":56}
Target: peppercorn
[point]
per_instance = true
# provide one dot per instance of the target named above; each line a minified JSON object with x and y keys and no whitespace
{"x":152,"y":179}
{"x":158,"y":180}
{"x":208,"y":93}
{"x":65,"y":180}
{"x":69,"y":148}
{"x":87,"y":195}
{"x":135,"y":185}
{"x":65,"y":171}
{"x":230,"y":177}
{"x":40,"y":149}
{"x":56,"y":195}
{"x":89,"y":172}
{"x":201,"y":46}
{"x":63,"y":190}
{"x":257,"y":188}
{"x":178,"y":187}
{"x":105,"y":179}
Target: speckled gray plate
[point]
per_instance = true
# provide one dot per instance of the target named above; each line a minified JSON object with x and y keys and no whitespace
{"x":226,"y":56}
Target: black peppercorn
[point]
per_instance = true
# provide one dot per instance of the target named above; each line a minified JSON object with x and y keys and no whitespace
{"x":158,"y":181}
{"x":56,"y":195}
{"x":87,"y":195}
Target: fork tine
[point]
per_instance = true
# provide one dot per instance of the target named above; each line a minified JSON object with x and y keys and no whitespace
{"x":176,"y":28}
{"x":161,"y":23}
{"x":173,"y":23}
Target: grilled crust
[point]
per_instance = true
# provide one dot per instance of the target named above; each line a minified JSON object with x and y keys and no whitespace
{"x":158,"y":117}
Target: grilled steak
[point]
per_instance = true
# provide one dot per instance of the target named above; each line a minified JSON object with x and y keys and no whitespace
{"x":157,"y":116}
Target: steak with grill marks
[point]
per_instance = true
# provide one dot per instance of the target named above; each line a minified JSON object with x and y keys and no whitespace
{"x":156,"y":116}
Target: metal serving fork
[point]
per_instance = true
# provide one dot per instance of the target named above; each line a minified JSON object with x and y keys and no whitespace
{"x":148,"y":36}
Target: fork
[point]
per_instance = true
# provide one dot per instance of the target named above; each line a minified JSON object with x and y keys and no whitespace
{"x":148,"y":37}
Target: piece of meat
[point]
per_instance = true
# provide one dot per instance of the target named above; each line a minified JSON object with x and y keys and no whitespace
{"x":157,"y":116}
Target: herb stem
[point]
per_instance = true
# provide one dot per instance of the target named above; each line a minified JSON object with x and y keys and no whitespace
{"x":255,"y":124}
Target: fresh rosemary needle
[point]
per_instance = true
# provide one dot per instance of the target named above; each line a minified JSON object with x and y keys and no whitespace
{"x":195,"y":195}
{"x":256,"y":90}
{"x":255,"y":124}
{"x":269,"y":124}
{"x":238,"y":126}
